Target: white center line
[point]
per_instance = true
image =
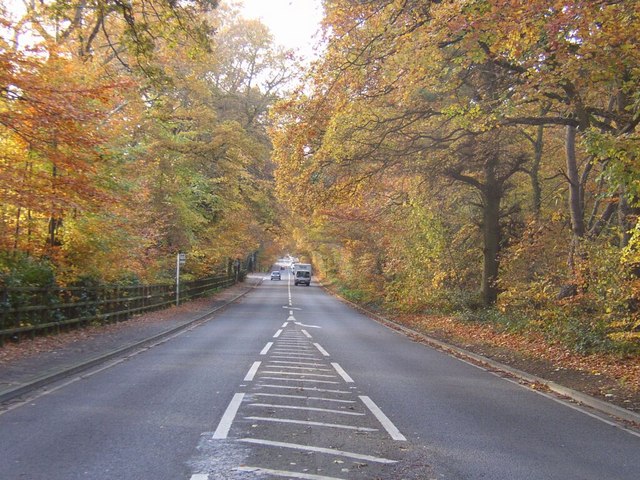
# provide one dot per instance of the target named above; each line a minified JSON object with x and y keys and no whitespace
{"x":284,"y":473}
{"x":322,"y":350}
{"x":316,"y":424}
{"x":342,"y":373}
{"x":330,"y":451}
{"x":266,"y":348}
{"x":277,"y":334}
{"x":227,"y":418}
{"x":383,"y":419}
{"x":252,"y":371}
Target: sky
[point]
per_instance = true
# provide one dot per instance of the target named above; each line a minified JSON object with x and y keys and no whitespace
{"x":292,"y":22}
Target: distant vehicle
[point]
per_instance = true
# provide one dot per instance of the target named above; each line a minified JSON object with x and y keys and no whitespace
{"x":302,"y":277}
{"x":276,"y":275}
{"x":302,"y":274}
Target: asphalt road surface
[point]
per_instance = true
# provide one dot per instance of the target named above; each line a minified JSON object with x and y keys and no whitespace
{"x":291,"y":383}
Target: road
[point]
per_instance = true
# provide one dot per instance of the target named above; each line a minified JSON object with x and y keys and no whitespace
{"x":291,"y":383}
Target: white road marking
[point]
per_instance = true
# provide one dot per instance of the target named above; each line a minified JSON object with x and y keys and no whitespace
{"x":299,"y":346}
{"x":383,"y":419}
{"x":291,"y":318}
{"x":304,"y":389}
{"x":200,"y":476}
{"x":284,"y":325}
{"x":300,"y":354}
{"x":342,"y":373}
{"x":284,"y":473}
{"x":330,"y":451}
{"x":306,"y":334}
{"x":277,"y":334}
{"x":252,"y":371}
{"x":292,"y":357}
{"x":308,"y":326}
{"x":266,"y":348}
{"x":297,"y":363}
{"x":291,"y":313}
{"x":300,"y":374}
{"x":293,"y":345}
{"x":290,"y":347}
{"x":227,"y":418}
{"x":313,"y":369}
{"x":322,"y":350}
{"x":302,"y":397}
{"x":300,"y":380}
{"x":316,"y":424}
{"x":310,"y":409}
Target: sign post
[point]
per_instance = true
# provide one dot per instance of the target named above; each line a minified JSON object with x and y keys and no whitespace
{"x":180,"y":260}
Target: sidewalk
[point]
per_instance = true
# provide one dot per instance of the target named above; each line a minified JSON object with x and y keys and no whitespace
{"x":35,"y":363}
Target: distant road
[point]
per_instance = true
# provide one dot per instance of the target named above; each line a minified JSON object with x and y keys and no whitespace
{"x":291,"y":383}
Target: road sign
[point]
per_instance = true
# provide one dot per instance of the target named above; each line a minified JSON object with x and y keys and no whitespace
{"x":182,"y":258}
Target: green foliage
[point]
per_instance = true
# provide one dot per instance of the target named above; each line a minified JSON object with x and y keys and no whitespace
{"x":19,"y":270}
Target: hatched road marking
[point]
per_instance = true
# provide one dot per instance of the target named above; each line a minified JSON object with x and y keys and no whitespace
{"x":252,"y":371}
{"x":292,"y":379}
{"x":330,"y":451}
{"x":322,"y":350}
{"x":284,"y":473}
{"x":315,"y":424}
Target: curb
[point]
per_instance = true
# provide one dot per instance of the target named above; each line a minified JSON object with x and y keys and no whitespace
{"x":39,"y":382}
{"x":576,"y":396}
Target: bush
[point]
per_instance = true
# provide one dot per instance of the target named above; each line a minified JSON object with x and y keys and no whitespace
{"x":19,"y":270}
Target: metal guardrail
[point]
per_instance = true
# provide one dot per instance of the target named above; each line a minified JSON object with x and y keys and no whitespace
{"x":29,"y":312}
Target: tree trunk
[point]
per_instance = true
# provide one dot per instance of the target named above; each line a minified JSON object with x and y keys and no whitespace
{"x":575,"y":203}
{"x":492,"y":196}
{"x":534,"y":174}
{"x":575,"y":195}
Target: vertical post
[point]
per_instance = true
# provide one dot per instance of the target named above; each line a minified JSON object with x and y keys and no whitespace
{"x":177,"y":279}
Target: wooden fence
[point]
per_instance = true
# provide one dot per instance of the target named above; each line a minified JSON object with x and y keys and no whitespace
{"x":33,"y":311}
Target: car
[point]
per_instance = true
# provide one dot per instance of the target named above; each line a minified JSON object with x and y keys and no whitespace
{"x":276,"y":275}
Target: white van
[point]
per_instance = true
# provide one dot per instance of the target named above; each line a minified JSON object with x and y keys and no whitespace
{"x":302,"y":274}
{"x":302,"y":277}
